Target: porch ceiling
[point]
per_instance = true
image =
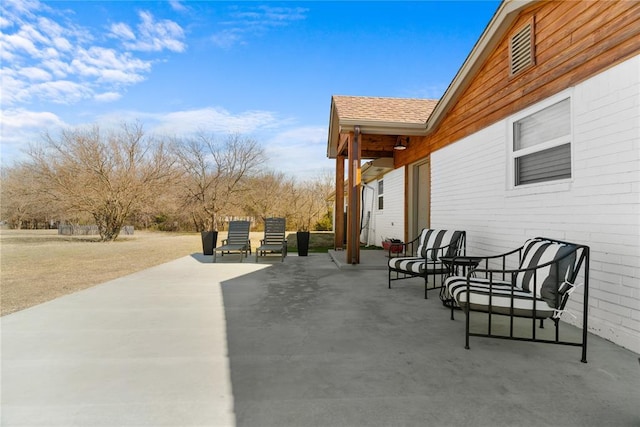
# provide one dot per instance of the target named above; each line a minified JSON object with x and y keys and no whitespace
{"x":380,"y":120}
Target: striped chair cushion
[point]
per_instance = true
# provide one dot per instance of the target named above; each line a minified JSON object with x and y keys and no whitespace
{"x":501,"y":296}
{"x":549,"y":280}
{"x":436,"y":239}
{"x":416,"y":265}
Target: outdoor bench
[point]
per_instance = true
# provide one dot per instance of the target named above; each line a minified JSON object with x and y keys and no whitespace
{"x":537,"y":289}
{"x":421,"y":257}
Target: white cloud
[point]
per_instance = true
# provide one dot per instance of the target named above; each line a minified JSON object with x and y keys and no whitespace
{"x":227,"y":38}
{"x":107,"y":96}
{"x":301,"y":151}
{"x":13,"y":89}
{"x":153,"y":36}
{"x":21,"y":7}
{"x":42,"y":45}
{"x":109,"y":65}
{"x":29,"y":32}
{"x":35,"y":74}
{"x":60,"y":91}
{"x":189,"y":122}
{"x":21,"y":127}
{"x":20,"y":121}
{"x":255,"y":20}
{"x":263,"y":17}
{"x":277,"y":15}
{"x":52,"y":29}
{"x":217,"y":120}
{"x":122,"y":31}
{"x":178,"y":6}
{"x":60,"y":69}
{"x":62,"y":44}
{"x":4,"y":23}
{"x":18,"y":42}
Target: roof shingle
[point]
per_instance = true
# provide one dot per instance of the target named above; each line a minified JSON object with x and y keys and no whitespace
{"x":389,"y":110}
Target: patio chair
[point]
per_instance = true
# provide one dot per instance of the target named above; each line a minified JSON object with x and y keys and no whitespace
{"x":537,"y":289}
{"x":421,"y":257}
{"x":237,"y":240}
{"x":274,"y":241}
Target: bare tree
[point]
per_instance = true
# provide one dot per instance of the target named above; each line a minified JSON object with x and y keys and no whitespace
{"x":268,"y":195}
{"x":105,"y":174}
{"x":21,"y":205}
{"x":310,"y":201}
{"x":215,"y":175}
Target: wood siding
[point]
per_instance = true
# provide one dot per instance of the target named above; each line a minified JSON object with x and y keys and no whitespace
{"x":573,"y":41}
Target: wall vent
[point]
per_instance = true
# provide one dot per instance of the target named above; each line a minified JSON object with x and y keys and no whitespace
{"x":521,"y":49}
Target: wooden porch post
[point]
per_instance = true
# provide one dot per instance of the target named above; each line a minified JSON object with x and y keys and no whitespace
{"x":339,"y":205}
{"x":353,"y":214}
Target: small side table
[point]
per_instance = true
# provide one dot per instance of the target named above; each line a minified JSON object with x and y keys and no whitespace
{"x":456,"y":266}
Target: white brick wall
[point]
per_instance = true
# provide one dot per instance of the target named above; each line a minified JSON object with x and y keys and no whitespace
{"x":600,"y":207}
{"x":388,"y":222}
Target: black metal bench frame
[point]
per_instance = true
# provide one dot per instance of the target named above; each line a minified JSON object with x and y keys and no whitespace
{"x":504,"y":274}
{"x":433,"y":268}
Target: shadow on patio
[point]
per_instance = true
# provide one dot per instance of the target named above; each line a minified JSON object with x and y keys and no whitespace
{"x":312,"y":344}
{"x":299,"y":343}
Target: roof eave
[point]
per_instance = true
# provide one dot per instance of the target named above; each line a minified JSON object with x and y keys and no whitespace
{"x":376,"y":127}
{"x":334,"y":131}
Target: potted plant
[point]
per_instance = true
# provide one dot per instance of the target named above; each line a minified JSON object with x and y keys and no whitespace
{"x":209,"y":241}
{"x":209,"y":235}
{"x":393,"y":246}
{"x":302,"y":239}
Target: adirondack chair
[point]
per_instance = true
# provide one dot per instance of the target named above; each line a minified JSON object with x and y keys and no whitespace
{"x":237,"y":240}
{"x":537,"y":289}
{"x":274,"y":241}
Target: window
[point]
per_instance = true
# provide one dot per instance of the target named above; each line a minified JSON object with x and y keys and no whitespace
{"x":541,"y":145}
{"x":380,"y":195}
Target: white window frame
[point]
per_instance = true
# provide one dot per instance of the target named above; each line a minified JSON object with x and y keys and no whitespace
{"x":379,"y":195}
{"x":566,"y":139}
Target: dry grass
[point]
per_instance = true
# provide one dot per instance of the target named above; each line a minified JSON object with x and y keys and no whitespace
{"x":38,"y":265}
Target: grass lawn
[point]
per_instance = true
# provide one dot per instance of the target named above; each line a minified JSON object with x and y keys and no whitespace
{"x":39,"y":265}
{"x":319,"y":241}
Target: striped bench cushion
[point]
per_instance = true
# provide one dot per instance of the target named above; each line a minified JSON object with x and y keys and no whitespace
{"x":432,"y":240}
{"x":548,"y":283}
{"x":416,"y":265}
{"x":501,"y":297}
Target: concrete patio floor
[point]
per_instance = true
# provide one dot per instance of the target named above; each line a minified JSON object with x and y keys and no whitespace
{"x":307,"y":342}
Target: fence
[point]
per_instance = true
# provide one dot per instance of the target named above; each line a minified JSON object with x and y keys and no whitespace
{"x":88,"y":230}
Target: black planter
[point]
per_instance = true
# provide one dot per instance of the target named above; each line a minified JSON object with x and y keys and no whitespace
{"x":303,"y":242}
{"x":209,"y":241}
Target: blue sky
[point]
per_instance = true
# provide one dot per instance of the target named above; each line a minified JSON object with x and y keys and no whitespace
{"x":264,"y":69}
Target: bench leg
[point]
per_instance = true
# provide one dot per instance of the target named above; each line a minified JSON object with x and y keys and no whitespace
{"x":426,"y":283}
{"x":468,"y":323}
